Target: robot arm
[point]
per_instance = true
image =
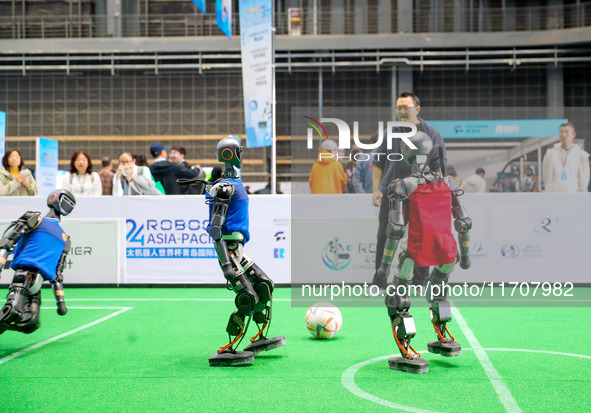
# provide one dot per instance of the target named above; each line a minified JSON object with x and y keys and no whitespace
{"x":56,"y":285}
{"x":221,"y":193}
{"x":462,"y":223}
{"x":397,"y":194}
{"x":26,"y":223}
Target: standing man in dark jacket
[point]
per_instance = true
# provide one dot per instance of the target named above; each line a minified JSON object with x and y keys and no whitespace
{"x":385,"y":172}
{"x":168,"y":172}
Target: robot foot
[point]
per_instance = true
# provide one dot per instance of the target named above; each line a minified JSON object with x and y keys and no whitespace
{"x":231,"y":359}
{"x":265,"y":344}
{"x":447,"y":349}
{"x":416,"y":365}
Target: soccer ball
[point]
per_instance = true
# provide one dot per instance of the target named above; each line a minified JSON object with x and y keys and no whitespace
{"x":323,"y":320}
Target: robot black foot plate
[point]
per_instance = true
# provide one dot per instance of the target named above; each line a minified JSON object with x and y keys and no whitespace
{"x":449,"y":349}
{"x":227,"y":359}
{"x":414,"y":366}
{"x":265,"y":344}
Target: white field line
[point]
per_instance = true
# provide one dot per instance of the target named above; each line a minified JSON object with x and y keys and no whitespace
{"x":68,"y":333}
{"x":493,"y":375}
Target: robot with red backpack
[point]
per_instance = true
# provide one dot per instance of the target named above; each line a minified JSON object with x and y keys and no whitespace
{"x":423,"y":204}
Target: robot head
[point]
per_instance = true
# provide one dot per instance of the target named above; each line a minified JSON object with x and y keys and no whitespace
{"x":61,"y":201}
{"x":417,"y":156}
{"x":229,"y":151}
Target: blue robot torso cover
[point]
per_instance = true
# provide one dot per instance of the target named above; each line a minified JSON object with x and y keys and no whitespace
{"x":237,"y":220}
{"x":41,"y":248}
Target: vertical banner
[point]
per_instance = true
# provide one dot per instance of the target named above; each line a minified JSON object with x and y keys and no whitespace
{"x":2,"y":133}
{"x":200,"y":5}
{"x":46,"y":165}
{"x":294,"y":22}
{"x":257,"y":70}
{"x":223,"y":16}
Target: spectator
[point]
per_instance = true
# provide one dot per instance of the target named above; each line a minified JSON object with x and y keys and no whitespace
{"x":216,"y":173}
{"x":15,"y":179}
{"x":385,"y":172}
{"x":167,"y":172}
{"x":350,"y":169}
{"x":140,"y":159}
{"x":327,"y":175}
{"x":566,"y":166}
{"x":131,"y":179}
{"x":363,"y":174}
{"x":475,"y":182}
{"x":450,"y":170}
{"x":177,"y":155}
{"x":106,"y":173}
{"x":80,"y":180}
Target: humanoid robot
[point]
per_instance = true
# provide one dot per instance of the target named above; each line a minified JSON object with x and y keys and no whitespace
{"x":40,"y":248}
{"x":425,"y":201}
{"x":228,"y":227}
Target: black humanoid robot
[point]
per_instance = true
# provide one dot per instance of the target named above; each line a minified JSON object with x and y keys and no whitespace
{"x":40,"y":247}
{"x":425,"y":201}
{"x":229,"y":229}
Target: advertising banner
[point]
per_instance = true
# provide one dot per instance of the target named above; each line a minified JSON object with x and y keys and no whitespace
{"x":223,"y":16}
{"x":200,"y":5}
{"x":46,"y":157}
{"x":2,"y":133}
{"x":294,"y":22}
{"x":503,"y":129}
{"x":257,"y":70}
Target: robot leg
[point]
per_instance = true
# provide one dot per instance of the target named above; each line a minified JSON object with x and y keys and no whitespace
{"x":403,"y":326}
{"x":21,"y":311}
{"x":245,"y":301}
{"x":263,"y":311}
{"x":440,"y":309}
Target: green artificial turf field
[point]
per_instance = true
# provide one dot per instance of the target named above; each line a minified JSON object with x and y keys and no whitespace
{"x":147,"y":349}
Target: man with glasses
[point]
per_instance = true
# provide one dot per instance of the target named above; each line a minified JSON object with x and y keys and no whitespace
{"x":385,"y":171}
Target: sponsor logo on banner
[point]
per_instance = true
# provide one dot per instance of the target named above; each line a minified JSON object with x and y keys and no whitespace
{"x":546,"y":226}
{"x":279,"y":253}
{"x":510,"y":251}
{"x":533,"y":251}
{"x":477,"y":250}
{"x":169,"y":238}
{"x":336,"y":256}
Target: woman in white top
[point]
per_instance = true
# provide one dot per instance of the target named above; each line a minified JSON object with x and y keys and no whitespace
{"x":131,"y":179}
{"x":80,"y":180}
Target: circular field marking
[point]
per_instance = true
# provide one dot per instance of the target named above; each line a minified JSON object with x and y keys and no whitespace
{"x":348,"y":376}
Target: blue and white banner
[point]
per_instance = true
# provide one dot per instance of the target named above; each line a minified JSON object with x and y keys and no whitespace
{"x":200,"y":5}
{"x":2,"y":133}
{"x":257,"y":70}
{"x":47,"y":157}
{"x":497,"y":129}
{"x":223,"y":16}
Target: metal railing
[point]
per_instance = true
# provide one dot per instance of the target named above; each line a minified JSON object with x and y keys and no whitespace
{"x":326,"y":21}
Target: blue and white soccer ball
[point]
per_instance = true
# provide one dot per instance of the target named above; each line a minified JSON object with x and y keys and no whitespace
{"x":323,"y":320}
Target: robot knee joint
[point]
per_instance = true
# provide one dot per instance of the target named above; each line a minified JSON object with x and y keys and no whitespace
{"x":441,"y":311}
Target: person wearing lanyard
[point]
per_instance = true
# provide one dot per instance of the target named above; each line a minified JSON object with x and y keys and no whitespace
{"x":566,"y":165}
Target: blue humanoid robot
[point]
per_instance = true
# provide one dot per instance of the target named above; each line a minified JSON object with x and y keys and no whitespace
{"x":40,"y":247}
{"x":229,"y":229}
{"x":422,"y":205}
